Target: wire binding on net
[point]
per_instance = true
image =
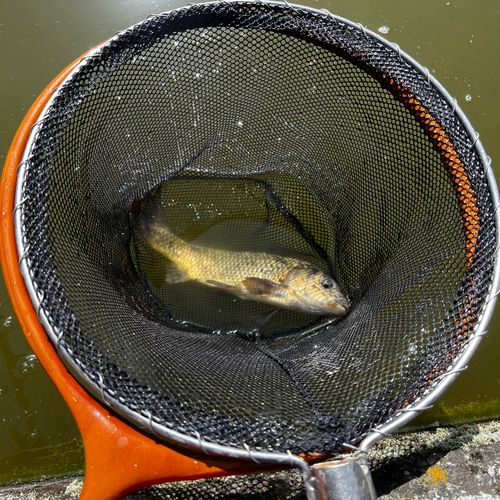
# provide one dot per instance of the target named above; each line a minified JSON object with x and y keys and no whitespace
{"x":355,"y":449}
{"x":498,"y":247}
{"x":329,"y":14}
{"x":293,"y":9}
{"x":17,"y":207}
{"x":250,"y":454}
{"x":24,"y":161}
{"x":58,"y":339}
{"x":362,"y":28}
{"x":451,"y":372}
{"x":488,"y":166}
{"x":475,"y":140}
{"x":416,"y":410}
{"x":23,"y":256}
{"x":101,"y":384}
{"x":385,"y":434}
{"x":481,"y":334}
{"x":39,"y":305}
{"x":494,"y":296}
{"x":150,"y":422}
{"x":200,"y":443}
{"x":427,"y":73}
{"x":84,"y":58}
{"x":36,"y":124}
{"x":398,"y":49}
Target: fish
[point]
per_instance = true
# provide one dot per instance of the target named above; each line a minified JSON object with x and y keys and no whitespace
{"x":283,"y":282}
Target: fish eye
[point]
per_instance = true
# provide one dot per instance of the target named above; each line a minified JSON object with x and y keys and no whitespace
{"x":326,"y":283}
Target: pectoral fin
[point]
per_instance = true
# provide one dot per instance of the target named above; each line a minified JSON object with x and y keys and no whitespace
{"x":262,"y":319}
{"x":174,"y":275}
{"x":262,"y":286}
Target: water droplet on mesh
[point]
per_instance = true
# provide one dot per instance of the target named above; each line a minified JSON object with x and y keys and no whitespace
{"x":468,"y":98}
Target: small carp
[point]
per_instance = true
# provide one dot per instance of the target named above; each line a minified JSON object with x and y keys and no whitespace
{"x":283,"y":282}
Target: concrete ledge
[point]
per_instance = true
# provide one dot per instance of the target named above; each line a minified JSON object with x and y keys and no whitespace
{"x":454,"y":463}
{"x":447,"y":463}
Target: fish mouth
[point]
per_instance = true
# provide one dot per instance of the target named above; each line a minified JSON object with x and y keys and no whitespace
{"x":339,"y":309}
{"x":331,"y":308}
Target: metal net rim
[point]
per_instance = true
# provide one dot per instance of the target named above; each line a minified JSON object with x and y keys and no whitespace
{"x":142,"y":420}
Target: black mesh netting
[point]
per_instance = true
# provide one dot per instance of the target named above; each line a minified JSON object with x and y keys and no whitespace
{"x":342,"y":141}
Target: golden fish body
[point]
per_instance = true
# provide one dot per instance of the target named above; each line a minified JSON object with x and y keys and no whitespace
{"x":283,"y":282}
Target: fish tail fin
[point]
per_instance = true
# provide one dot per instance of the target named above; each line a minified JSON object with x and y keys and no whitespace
{"x":150,"y":226}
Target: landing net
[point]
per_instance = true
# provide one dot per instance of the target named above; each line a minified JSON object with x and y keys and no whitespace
{"x":339,"y":142}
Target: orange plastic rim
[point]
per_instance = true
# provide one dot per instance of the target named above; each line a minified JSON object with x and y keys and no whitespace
{"x":119,"y":459}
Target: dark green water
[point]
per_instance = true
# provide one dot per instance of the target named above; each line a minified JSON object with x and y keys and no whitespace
{"x":457,"y":40}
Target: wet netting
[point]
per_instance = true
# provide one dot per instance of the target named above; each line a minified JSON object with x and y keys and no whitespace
{"x":261,"y":128}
